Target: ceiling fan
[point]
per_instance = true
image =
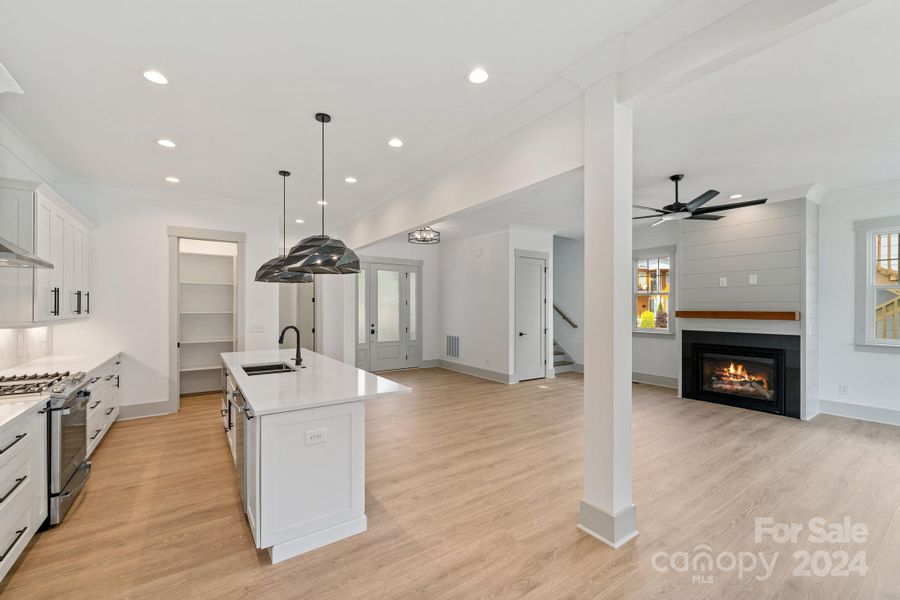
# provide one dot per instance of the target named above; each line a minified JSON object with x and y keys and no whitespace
{"x":678,"y":211}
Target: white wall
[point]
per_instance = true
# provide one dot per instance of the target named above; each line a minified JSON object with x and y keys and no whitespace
{"x":568,"y":294}
{"x":474,"y":299}
{"x":399,"y":247}
{"x":477,"y":283}
{"x":870,"y":377}
{"x":130,"y":275}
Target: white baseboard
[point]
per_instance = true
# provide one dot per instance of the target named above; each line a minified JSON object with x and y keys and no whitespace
{"x":613,"y":530}
{"x":280,"y":552}
{"x":874,"y":414}
{"x":146,"y":409}
{"x":660,"y":380}
{"x":477,"y":372}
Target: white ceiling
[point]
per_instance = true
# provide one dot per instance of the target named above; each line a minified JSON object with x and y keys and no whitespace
{"x":821,"y":107}
{"x":555,"y":204}
{"x":246,"y":79}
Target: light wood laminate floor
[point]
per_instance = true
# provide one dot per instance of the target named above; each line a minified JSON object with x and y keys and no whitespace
{"x":472,"y":492}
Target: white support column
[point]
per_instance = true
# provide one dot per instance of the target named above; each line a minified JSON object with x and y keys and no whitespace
{"x":607,"y":511}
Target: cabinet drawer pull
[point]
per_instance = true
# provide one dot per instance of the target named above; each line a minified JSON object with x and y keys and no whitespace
{"x":15,"y":541}
{"x":18,"y":439}
{"x":108,"y":377}
{"x":19,"y":482}
{"x":109,"y":412}
{"x":96,"y":404}
{"x":96,"y":433}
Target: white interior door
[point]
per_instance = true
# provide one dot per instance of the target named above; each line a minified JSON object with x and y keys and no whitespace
{"x":530,"y":318}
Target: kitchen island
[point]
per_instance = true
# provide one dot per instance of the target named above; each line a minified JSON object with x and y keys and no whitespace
{"x":298,"y":437}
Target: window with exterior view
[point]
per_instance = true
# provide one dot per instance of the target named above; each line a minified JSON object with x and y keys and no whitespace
{"x":886,"y":286}
{"x":651,"y":294}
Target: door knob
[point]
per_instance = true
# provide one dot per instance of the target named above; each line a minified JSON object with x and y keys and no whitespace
{"x":521,"y":334}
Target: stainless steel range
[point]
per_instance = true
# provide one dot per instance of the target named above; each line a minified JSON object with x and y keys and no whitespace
{"x":35,"y":383}
{"x":69,"y":469}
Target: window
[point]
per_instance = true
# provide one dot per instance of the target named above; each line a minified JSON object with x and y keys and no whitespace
{"x":652,"y":279}
{"x":878,"y":286}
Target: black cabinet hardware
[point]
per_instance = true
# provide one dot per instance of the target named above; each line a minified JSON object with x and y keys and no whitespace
{"x":96,"y":433}
{"x":18,"y":439}
{"x":55,"y":310}
{"x":77,"y":302}
{"x":19,"y":482}
{"x":87,"y":298}
{"x":15,"y":541}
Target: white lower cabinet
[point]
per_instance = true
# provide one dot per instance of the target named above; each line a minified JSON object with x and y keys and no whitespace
{"x":305,"y":477}
{"x":103,"y":405}
{"x":23,"y":483}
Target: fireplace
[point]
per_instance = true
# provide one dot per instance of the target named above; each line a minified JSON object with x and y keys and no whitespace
{"x":755,"y":371}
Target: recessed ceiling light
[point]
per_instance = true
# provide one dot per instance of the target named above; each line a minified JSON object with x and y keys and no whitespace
{"x":736,"y":196}
{"x":478,"y":75}
{"x":350,"y":179}
{"x":155,"y":77}
{"x":298,"y":221}
{"x":395,"y":142}
{"x":323,"y":202}
{"x":166,"y":143}
{"x":173,"y":180}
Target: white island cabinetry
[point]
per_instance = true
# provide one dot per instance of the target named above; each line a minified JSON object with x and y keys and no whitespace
{"x":303,"y":450}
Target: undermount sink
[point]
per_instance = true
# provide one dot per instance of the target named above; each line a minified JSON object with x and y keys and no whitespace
{"x":267,"y":368}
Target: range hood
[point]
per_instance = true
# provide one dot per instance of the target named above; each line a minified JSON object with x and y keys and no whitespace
{"x":13,"y":256}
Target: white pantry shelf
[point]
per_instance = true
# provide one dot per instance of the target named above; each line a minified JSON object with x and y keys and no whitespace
{"x":209,"y":368}
{"x":206,"y":283}
{"x":207,"y":312}
{"x":219,"y":341}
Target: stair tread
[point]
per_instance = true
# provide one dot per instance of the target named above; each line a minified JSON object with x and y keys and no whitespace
{"x":562,"y":363}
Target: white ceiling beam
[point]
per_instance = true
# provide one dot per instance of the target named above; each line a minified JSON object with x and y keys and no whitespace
{"x":7,"y":83}
{"x":697,"y":38}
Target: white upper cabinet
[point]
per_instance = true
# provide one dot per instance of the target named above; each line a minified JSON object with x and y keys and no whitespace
{"x":45,"y":224}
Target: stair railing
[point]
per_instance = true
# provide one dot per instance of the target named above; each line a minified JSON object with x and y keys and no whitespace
{"x":565,"y":317}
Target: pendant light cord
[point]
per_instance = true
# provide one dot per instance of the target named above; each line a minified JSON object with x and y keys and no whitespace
{"x":284,"y":215}
{"x":323,"y":178}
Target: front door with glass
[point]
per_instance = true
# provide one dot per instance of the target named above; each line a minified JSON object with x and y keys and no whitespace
{"x":388,"y":334}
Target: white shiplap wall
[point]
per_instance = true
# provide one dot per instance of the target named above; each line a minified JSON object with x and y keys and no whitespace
{"x":766,"y":241}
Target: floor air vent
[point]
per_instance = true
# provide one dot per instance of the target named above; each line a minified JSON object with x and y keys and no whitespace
{"x":453,"y":346}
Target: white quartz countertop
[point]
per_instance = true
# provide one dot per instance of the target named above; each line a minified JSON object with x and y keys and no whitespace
{"x":60,"y":362}
{"x":323,"y":381}
{"x":13,"y":406}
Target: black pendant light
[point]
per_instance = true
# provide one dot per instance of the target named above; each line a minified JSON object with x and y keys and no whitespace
{"x":321,"y":254}
{"x":426,"y":235}
{"x":272,"y":271}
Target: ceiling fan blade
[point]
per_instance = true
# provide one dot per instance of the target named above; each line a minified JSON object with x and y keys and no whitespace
{"x":662,"y":212}
{"x":709,"y":209}
{"x":646,"y":217}
{"x":705,"y":217}
{"x":701,"y":200}
{"x":660,"y":222}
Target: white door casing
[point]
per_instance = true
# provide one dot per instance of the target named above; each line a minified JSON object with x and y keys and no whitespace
{"x":530,"y":318}
{"x":389,"y":316}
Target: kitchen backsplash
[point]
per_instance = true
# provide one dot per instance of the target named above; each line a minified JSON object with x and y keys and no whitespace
{"x":19,"y":346}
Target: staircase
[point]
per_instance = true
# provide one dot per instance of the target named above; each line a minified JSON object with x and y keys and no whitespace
{"x":562,"y":362}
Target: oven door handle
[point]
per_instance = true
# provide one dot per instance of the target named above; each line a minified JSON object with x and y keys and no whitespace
{"x":85,"y":468}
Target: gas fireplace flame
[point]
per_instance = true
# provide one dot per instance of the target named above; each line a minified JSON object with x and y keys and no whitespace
{"x":738,"y":374}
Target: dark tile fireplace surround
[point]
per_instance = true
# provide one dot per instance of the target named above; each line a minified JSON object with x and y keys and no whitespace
{"x":748,"y":370}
